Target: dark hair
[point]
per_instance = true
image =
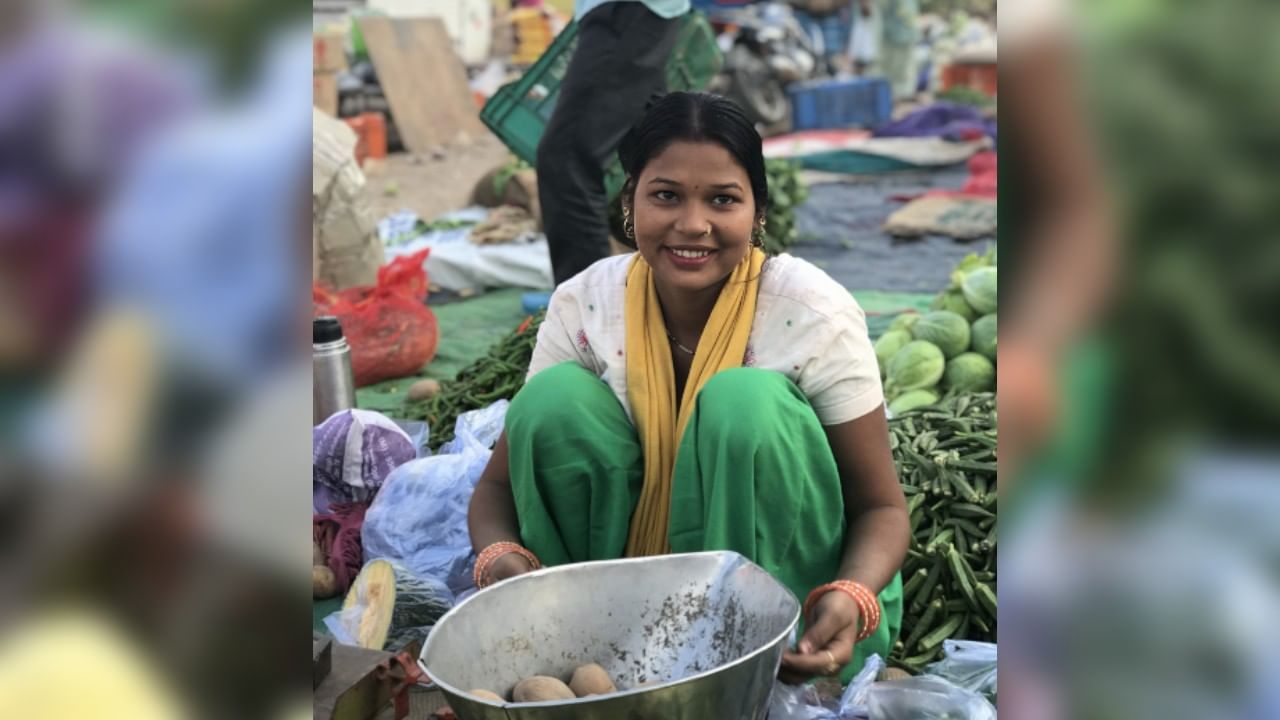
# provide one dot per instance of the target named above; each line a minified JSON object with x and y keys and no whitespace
{"x":696,"y":117}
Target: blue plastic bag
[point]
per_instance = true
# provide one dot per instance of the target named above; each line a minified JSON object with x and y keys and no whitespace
{"x":419,"y":517}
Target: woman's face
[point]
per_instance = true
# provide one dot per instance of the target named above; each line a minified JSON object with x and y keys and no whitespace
{"x":693,"y":213}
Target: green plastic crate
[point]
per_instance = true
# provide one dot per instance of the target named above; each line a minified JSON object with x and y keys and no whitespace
{"x":519,"y":112}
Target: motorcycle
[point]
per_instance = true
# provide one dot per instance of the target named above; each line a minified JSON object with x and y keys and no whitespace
{"x":765,"y":50}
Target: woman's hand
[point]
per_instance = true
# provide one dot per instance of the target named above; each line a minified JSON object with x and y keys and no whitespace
{"x":508,"y":566}
{"x":827,"y":645}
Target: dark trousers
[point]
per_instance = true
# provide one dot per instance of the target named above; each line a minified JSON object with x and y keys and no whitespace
{"x":619,"y":63}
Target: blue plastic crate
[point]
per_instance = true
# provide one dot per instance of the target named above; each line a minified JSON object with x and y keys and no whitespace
{"x":856,"y":102}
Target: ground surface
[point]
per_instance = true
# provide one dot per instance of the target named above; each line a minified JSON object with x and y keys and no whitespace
{"x":432,"y":183}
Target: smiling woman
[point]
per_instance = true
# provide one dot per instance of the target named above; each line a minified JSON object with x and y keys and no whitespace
{"x":696,"y":396}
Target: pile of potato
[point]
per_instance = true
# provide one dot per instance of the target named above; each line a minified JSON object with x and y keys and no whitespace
{"x":587,"y":680}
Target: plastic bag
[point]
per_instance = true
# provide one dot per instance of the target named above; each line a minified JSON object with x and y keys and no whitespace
{"x":419,"y":518}
{"x":969,"y":664}
{"x":853,"y":701}
{"x":926,"y":697}
{"x":418,"y":433}
{"x":391,"y":331}
{"x":796,"y":702}
{"x":352,"y":452}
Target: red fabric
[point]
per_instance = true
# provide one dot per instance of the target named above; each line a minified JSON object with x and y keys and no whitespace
{"x":391,"y":331}
{"x":338,"y":535}
{"x":981,"y":182}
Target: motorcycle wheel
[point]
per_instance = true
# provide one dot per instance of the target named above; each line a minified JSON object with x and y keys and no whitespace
{"x":753,"y":86}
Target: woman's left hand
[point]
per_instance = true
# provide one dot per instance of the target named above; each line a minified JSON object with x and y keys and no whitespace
{"x":827,"y":645}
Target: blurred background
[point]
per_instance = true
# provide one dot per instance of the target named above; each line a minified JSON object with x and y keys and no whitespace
{"x":1138,"y":385}
{"x":154,"y":158}
{"x":153,"y":165}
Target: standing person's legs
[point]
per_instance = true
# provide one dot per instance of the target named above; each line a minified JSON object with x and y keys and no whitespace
{"x":620,"y":61}
{"x":899,"y":68}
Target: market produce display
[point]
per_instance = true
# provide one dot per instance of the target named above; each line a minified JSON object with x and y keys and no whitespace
{"x":394,"y":606}
{"x":496,"y":376}
{"x":949,"y":350}
{"x":591,"y":679}
{"x":786,"y":193}
{"x":586,"y":681}
{"x":541,"y":688}
{"x":946,"y":458}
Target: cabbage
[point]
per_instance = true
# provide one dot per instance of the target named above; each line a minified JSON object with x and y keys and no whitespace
{"x":984,"y":336}
{"x":905,"y":320}
{"x":979,"y":288}
{"x":969,"y":372}
{"x":911,"y":400}
{"x":919,"y":364}
{"x":954,"y":301}
{"x":943,"y":328}
{"x":888,"y":345}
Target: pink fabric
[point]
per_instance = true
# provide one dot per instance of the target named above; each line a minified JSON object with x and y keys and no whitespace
{"x":338,"y":535}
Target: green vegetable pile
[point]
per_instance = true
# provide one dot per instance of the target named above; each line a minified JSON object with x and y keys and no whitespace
{"x":949,"y":350}
{"x":496,"y":376}
{"x":786,"y":193}
{"x":946,"y":461}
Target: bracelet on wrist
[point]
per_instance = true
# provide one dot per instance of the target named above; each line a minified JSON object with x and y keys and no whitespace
{"x":487,"y":557}
{"x":868,"y":604}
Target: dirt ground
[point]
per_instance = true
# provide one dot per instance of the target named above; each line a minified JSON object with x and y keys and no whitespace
{"x":431,"y":183}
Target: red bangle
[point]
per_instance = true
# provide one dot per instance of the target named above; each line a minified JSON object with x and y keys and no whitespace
{"x":495,"y":551}
{"x":868,"y":604}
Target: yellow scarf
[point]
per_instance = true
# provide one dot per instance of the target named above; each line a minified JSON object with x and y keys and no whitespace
{"x":651,"y":383}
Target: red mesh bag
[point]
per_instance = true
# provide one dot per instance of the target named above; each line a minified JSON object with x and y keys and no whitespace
{"x":391,"y":331}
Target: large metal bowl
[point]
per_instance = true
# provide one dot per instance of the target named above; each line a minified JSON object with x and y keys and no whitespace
{"x":703,"y":632}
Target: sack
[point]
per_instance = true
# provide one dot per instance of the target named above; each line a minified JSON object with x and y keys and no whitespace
{"x":351,"y":454}
{"x":391,"y":331}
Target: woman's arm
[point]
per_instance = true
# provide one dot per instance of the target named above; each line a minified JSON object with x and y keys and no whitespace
{"x":874,"y":506}
{"x":876,"y":542}
{"x":491,"y":517}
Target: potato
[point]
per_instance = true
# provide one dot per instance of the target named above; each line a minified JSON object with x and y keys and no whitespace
{"x":591,"y":679}
{"x":486,"y":695}
{"x":424,"y":390}
{"x":540,"y":688}
{"x":323,"y":583}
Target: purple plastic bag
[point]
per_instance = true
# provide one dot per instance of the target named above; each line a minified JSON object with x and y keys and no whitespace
{"x":351,"y":455}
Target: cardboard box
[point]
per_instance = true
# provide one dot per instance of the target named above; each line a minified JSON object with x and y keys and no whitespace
{"x":329,"y":52}
{"x":324,"y":92}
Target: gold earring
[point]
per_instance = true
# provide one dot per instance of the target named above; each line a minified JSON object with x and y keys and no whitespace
{"x":628,"y":227}
{"x":757,"y":237}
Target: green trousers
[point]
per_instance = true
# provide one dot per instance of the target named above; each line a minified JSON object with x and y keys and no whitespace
{"x":754,"y":474}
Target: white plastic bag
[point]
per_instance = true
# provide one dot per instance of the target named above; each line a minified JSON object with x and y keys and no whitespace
{"x":419,"y":517}
{"x":796,"y":702}
{"x":926,"y":697}
{"x":969,"y":664}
